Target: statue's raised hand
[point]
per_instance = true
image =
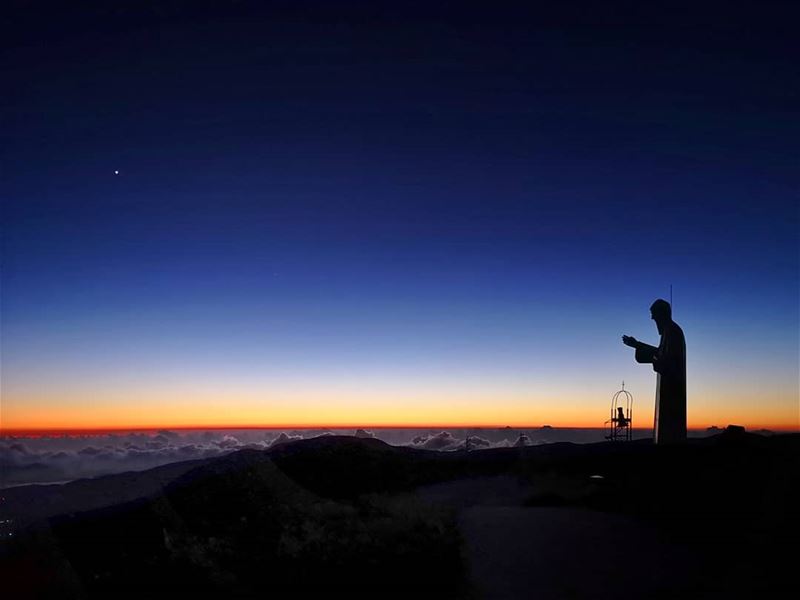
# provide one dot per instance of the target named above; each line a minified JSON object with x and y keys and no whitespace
{"x":629,"y":340}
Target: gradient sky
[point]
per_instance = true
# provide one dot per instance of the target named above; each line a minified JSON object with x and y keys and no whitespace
{"x":361,"y":215}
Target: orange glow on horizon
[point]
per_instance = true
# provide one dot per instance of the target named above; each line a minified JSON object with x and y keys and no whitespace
{"x":98,"y":430}
{"x":350,"y":409}
{"x":77,"y":426}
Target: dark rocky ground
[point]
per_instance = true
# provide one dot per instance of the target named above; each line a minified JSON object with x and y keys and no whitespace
{"x":342,"y":516}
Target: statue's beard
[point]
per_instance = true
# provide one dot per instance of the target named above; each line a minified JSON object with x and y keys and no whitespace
{"x":660,"y":327}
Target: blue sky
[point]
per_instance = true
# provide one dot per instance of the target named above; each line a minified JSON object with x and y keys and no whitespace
{"x":405,"y":207}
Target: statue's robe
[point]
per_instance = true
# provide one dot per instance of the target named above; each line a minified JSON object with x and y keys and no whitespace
{"x":669,"y":362}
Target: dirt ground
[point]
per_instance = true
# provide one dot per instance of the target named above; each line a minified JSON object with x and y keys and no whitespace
{"x":514,"y":551}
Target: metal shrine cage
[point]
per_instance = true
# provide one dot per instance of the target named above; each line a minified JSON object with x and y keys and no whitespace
{"x":619,"y":428}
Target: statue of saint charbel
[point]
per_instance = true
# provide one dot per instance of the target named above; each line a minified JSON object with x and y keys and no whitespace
{"x":669,"y":362}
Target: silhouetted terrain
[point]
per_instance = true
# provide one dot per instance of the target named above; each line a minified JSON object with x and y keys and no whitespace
{"x":344,"y":516}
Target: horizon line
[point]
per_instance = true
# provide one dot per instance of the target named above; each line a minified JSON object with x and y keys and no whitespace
{"x":21,"y":431}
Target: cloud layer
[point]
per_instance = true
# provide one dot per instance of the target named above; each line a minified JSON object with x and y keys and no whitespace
{"x":446,"y":441}
{"x":63,"y":458}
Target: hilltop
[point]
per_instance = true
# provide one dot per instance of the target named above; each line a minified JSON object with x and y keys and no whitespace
{"x":356,"y":517}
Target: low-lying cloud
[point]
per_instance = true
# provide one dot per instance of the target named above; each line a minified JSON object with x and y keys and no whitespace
{"x":446,"y":441}
{"x":40,"y":460}
{"x":63,"y":458}
{"x":284,"y":438}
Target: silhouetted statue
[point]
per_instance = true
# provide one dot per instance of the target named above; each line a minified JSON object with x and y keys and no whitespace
{"x":669,"y":361}
{"x":621,"y":420}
